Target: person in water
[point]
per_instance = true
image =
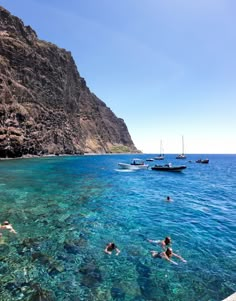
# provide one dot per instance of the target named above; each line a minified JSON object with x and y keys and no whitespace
{"x":163,"y":243}
{"x":167,"y":255}
{"x":110,"y":247}
{"x":168,"y":199}
{"x":6,"y":225}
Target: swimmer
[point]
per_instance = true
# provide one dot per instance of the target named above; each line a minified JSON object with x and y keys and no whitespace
{"x":6,"y":225}
{"x":167,"y":255}
{"x":110,"y":247}
{"x":163,"y":243}
{"x":168,"y":199}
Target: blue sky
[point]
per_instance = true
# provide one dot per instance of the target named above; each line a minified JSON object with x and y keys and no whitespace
{"x":167,"y":67}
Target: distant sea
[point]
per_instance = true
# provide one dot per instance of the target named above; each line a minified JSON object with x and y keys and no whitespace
{"x":66,"y":209}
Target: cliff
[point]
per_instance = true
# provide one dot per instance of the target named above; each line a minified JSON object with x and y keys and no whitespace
{"x":45,"y":105}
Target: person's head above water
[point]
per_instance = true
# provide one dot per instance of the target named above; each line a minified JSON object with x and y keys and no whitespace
{"x":168,"y":199}
{"x":112,"y":245}
{"x":169,"y":252}
{"x":167,"y":240}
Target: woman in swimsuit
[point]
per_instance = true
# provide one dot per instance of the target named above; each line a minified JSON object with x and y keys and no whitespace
{"x":163,"y":243}
{"x":167,"y":255}
{"x":110,"y":247}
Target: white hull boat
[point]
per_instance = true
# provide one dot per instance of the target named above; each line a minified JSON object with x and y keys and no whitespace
{"x":136,"y":164}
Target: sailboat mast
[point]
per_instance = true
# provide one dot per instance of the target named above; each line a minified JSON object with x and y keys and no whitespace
{"x":182,"y":156}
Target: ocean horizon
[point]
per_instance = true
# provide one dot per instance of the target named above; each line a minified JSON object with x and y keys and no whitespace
{"x":65,"y":210}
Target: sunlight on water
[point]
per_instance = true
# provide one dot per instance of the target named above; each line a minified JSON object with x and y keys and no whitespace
{"x":66,"y":209}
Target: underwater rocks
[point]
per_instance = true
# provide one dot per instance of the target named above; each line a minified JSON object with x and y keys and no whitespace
{"x":74,"y":246}
{"x":51,"y":264}
{"x":91,"y":275}
{"x":117,"y":293}
{"x":4,"y":251}
{"x":29,"y":291}
{"x":40,"y":294}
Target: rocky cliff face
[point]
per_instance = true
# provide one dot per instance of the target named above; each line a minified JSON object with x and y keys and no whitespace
{"x":45,"y":106}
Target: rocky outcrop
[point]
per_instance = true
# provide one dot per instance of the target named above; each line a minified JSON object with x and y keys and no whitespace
{"x":45,"y":105}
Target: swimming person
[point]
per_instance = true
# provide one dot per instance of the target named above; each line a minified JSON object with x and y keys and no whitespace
{"x":110,"y":247}
{"x":6,"y":225}
{"x":163,"y":243}
{"x":167,"y":255}
{"x":168,"y":199}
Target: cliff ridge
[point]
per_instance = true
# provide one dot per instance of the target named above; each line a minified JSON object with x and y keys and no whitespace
{"x":45,"y":105}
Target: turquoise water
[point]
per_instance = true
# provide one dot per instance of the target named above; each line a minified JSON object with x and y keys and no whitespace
{"x":66,"y":209}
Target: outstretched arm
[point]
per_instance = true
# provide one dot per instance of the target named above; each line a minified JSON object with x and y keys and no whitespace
{"x":13,"y":231}
{"x":172,"y":261}
{"x":178,"y":256}
{"x":106,"y":251}
{"x":155,"y":241}
{"x":117,"y":251}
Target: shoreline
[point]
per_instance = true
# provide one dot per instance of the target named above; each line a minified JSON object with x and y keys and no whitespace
{"x":88,"y":154}
{"x":65,"y":155}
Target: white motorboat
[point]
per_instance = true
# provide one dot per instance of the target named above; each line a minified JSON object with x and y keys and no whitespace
{"x":135,"y":164}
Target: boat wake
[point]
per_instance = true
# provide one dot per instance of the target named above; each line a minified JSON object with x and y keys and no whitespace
{"x":125,"y":170}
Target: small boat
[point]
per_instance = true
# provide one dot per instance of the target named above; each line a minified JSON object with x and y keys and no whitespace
{"x":149,"y":159}
{"x":182,"y":156}
{"x":204,"y":161}
{"x":161,"y":156}
{"x":169,"y":167}
{"x":136,"y":164}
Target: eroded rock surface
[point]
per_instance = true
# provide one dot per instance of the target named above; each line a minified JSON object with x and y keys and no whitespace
{"x":45,"y":105}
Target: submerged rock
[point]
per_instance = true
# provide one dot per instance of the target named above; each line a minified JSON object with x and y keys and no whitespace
{"x":4,"y":250}
{"x":117,"y":294}
{"x":74,"y":246}
{"x":40,"y":294}
{"x":53,"y":266}
{"x":91,"y":275}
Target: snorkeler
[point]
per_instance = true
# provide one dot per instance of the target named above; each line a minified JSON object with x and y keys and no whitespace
{"x":167,"y":255}
{"x":6,"y":225}
{"x":163,"y":243}
{"x":110,"y":247}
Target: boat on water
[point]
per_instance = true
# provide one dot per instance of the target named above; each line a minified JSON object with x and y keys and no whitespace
{"x":135,"y":164}
{"x":203,"y":161}
{"x":182,"y":156}
{"x":149,"y":159}
{"x":161,"y":156}
{"x":169,"y":167}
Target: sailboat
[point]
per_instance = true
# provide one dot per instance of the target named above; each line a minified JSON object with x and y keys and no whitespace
{"x":161,"y":156}
{"x":182,"y":156}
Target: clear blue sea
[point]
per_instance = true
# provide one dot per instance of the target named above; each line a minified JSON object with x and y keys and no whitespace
{"x":66,"y":209}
